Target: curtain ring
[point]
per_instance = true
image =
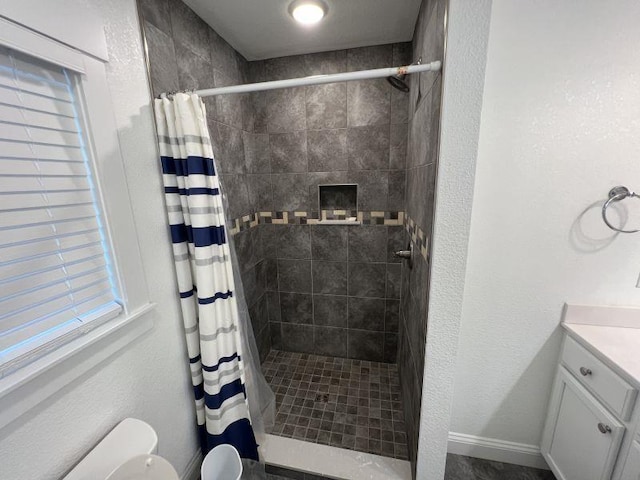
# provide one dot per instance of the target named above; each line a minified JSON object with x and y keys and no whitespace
{"x":615,"y":195}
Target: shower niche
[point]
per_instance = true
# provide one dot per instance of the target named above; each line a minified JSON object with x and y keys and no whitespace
{"x":338,"y":204}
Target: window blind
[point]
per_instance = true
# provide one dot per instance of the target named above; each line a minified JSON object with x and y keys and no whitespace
{"x":55,"y":276}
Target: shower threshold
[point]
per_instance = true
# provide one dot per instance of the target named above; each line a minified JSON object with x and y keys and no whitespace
{"x":297,"y":459}
{"x":338,"y":402}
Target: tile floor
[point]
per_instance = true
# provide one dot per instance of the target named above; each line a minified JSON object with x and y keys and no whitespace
{"x":340,"y":402}
{"x":460,"y":467}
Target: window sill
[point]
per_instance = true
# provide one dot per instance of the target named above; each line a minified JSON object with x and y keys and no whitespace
{"x":25,"y":388}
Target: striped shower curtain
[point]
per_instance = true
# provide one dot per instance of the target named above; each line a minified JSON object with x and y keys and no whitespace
{"x":205,"y":274}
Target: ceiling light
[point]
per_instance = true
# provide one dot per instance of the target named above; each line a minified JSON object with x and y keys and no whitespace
{"x":308,"y":12}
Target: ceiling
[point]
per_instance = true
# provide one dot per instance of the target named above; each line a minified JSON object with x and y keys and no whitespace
{"x":261,"y":29}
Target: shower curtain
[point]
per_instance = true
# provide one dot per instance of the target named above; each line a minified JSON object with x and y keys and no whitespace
{"x":233,"y":400}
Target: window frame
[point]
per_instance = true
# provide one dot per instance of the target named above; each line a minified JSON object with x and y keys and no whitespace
{"x":25,"y":387}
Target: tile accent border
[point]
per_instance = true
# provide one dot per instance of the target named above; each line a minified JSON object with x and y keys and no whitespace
{"x":246,"y":222}
{"x":418,"y":236}
{"x":373,"y":217}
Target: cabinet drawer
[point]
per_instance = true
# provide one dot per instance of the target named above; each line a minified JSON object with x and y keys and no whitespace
{"x":614,"y":392}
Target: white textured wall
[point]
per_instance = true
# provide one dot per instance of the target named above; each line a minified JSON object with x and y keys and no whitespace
{"x":560,"y":126}
{"x":149,"y":379}
{"x":468,"y":29}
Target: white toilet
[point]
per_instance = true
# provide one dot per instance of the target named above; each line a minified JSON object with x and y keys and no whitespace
{"x":126,"y":453}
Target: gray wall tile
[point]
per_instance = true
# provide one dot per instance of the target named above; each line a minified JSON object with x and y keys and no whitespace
{"x":367,"y":279}
{"x":398,"y":146}
{"x":273,"y":307}
{"x":368,"y":102}
{"x":276,"y":335}
{"x":286,"y":110}
{"x":397,"y":239}
{"x":269,"y":238}
{"x":235,"y":187}
{"x":390,"y":347}
{"x":330,"y":341}
{"x":296,"y":308}
{"x":365,"y":345}
{"x":329,"y":242}
{"x":399,"y":106}
{"x":366,"y":313}
{"x":260,"y":193}
{"x":327,"y":150}
{"x":290,"y":191}
{"x":326,"y":106}
{"x":423,"y":117}
{"x":323,"y":63}
{"x":157,"y":13}
{"x":393,"y":280}
{"x":368,"y":147}
{"x":244,"y":250}
{"x":260,"y":114}
{"x":288,"y":152}
{"x":397,"y":183}
{"x":294,"y":241}
{"x":162,"y":60}
{"x":391,"y":316}
{"x":373,"y":189}
{"x":228,"y":148}
{"x":223,"y":56}
{"x":228,"y":107}
{"x":297,"y":338}
{"x":256,"y":152}
{"x":402,"y":53}
{"x":189,"y":29}
{"x":294,"y":276}
{"x":283,"y":68}
{"x":330,"y":277}
{"x":367,"y":243}
{"x":330,"y":310}
{"x":365,"y":58}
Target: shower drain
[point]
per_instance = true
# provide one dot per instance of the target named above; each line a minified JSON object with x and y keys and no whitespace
{"x":322,"y":397}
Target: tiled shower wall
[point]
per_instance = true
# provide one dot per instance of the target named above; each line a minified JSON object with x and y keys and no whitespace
{"x":319,"y":289}
{"x":185,"y":53}
{"x":422,"y":153}
{"x":332,"y":290}
{"x":337,"y":290}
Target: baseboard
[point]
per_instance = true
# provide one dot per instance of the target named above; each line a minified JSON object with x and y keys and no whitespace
{"x":497,"y":450}
{"x":192,"y":472}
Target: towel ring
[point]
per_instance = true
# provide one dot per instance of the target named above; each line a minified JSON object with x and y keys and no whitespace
{"x":615,"y":195}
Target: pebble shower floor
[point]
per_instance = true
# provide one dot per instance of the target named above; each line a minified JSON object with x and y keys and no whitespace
{"x":340,"y":402}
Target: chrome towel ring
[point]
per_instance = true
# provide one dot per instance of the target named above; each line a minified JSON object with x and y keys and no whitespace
{"x":615,"y":195}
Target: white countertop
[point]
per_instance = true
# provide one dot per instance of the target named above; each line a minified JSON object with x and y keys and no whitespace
{"x":611,"y":333}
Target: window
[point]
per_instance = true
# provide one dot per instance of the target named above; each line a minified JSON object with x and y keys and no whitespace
{"x":56,"y":275}
{"x":72,"y":282}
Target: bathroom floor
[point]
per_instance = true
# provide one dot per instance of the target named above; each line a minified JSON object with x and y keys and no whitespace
{"x":340,"y":402}
{"x":460,"y":467}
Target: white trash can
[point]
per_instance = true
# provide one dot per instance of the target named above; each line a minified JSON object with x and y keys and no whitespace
{"x":221,"y":463}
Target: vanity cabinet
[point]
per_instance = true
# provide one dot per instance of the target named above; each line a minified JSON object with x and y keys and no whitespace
{"x":590,"y":411}
{"x":631,"y":469}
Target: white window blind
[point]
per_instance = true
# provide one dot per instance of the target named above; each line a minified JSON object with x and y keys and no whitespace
{"x":55,"y":276}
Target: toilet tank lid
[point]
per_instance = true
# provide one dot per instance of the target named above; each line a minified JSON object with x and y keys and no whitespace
{"x":129,"y":438}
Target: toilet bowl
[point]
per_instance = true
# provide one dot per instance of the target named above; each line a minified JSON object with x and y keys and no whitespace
{"x":126,"y":453}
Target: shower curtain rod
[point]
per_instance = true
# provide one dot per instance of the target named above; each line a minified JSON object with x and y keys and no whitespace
{"x":320,"y":79}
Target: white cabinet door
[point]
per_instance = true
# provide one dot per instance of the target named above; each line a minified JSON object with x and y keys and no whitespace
{"x":582,"y":438}
{"x":632,"y":465}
